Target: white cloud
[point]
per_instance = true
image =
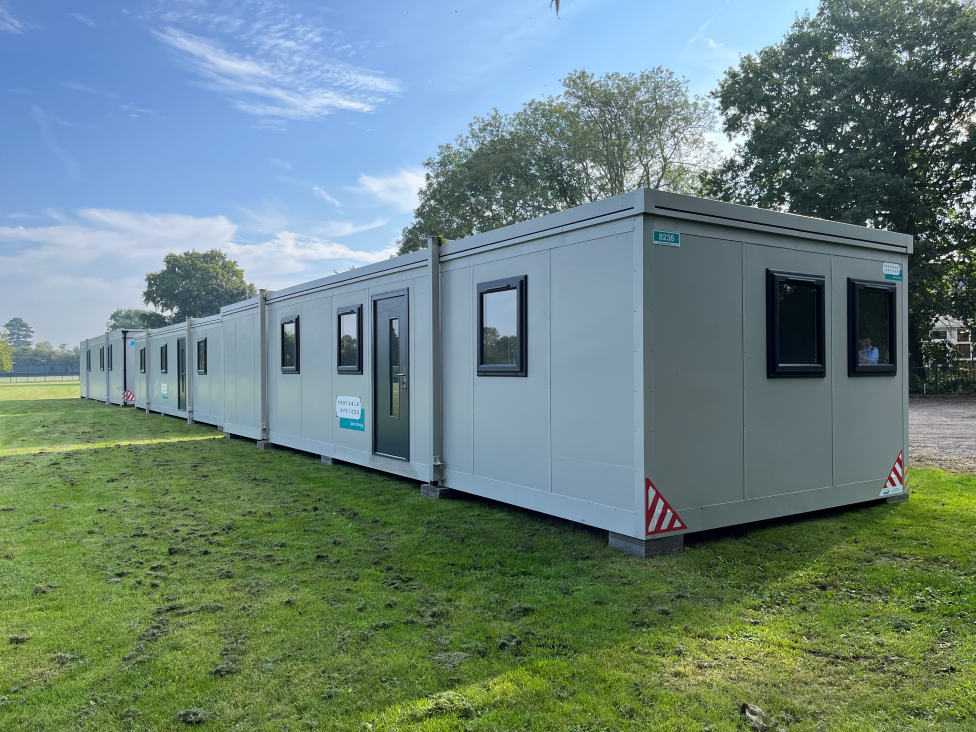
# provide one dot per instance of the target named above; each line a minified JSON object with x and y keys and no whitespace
{"x":8,"y":23}
{"x":283,"y":164}
{"x":326,"y":197}
{"x":65,"y":278}
{"x":399,"y":189}
{"x":75,"y":86}
{"x":281,"y":71}
{"x":84,"y":19}
{"x":345,"y":228}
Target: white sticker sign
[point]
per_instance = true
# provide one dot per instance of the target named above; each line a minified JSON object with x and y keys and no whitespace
{"x":891,"y":270}
{"x":348,"y":407}
{"x":165,"y":390}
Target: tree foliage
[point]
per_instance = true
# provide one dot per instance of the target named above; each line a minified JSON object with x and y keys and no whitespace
{"x":601,"y":137}
{"x":19,"y":333}
{"x":196,"y":284}
{"x":864,"y":113}
{"x":6,"y":353}
{"x":134,"y":319}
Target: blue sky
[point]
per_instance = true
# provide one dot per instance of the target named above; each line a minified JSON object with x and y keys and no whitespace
{"x":288,"y":133}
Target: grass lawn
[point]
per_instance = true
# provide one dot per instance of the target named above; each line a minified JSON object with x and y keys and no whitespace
{"x":148,"y":569}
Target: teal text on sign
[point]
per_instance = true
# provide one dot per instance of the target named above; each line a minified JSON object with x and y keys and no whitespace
{"x":668,"y":238}
{"x":353,"y":424}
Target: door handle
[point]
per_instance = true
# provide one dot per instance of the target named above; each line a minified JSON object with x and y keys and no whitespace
{"x":403,"y":380}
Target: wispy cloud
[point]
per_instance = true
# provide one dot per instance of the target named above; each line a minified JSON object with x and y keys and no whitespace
{"x":135,"y":111}
{"x":84,"y":19}
{"x":75,"y":86}
{"x":278,"y":69}
{"x":44,"y":120}
{"x":399,"y":189}
{"x":8,"y":23}
{"x":283,"y":164}
{"x":708,"y":23}
{"x":326,"y":197}
{"x":345,"y":228}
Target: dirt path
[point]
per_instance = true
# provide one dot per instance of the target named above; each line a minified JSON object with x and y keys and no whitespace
{"x":942,"y":432}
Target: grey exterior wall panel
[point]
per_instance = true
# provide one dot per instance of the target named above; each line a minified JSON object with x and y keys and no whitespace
{"x":458,"y":342}
{"x":593,"y":371}
{"x":698,"y":404}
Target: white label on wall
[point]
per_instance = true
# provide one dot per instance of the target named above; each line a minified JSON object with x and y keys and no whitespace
{"x":348,"y":407}
{"x":891,"y":270}
{"x":165,"y":390}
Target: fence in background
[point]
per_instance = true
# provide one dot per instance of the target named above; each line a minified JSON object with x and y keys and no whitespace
{"x":26,"y":378}
{"x":936,"y":380}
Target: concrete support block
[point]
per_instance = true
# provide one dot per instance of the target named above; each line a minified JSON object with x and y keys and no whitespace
{"x":434,"y":491}
{"x":265,"y":445}
{"x":228,"y":436}
{"x":328,"y":461}
{"x":667,"y":544}
{"x":897,"y":498}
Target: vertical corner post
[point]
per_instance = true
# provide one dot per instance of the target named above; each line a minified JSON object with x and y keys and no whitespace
{"x":263,"y":370}
{"x":108,"y":372}
{"x":188,"y":366}
{"x":436,"y":427}
{"x":148,"y":371}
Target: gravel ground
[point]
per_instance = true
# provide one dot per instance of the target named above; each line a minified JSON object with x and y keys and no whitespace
{"x":942,"y":433}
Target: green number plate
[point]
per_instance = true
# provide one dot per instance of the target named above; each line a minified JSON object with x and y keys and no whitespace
{"x":668,"y":238}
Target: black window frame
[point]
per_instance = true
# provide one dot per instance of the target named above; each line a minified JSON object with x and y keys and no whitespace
{"x":101,"y":358}
{"x":202,"y":371}
{"x":521,"y":367}
{"x":164,"y":358}
{"x":854,"y":286}
{"x":88,"y":359}
{"x":142,"y":360}
{"x":109,"y":359}
{"x":775,"y":369}
{"x":298,"y":345}
{"x":356,"y":310}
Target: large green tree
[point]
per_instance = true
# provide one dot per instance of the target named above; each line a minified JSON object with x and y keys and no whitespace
{"x":864,"y":113}
{"x":196,"y":284}
{"x":19,"y":333}
{"x":134,"y":319}
{"x":601,"y":137}
{"x":6,"y":353}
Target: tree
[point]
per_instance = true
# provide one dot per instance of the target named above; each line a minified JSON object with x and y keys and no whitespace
{"x":601,"y":137}
{"x":864,"y":113}
{"x":196,"y":284}
{"x":6,"y":353}
{"x":134,"y":319}
{"x":19,"y":333}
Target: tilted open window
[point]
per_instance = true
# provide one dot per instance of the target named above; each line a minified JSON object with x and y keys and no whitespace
{"x":88,"y":359}
{"x":349,"y":349}
{"x":142,"y":360}
{"x":795,"y":324}
{"x":164,"y":359}
{"x":871,"y":328}
{"x":110,"y":358}
{"x":503,"y":327}
{"x":101,"y":358}
{"x":202,"y":356}
{"x":290,"y":345}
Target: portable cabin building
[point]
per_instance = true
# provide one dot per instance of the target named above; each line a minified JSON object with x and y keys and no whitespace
{"x":108,"y":367}
{"x":650,"y":364}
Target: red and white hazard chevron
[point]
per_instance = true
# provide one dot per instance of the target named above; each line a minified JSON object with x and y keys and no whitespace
{"x":128,"y":396}
{"x":897,"y":478}
{"x":660,"y":517}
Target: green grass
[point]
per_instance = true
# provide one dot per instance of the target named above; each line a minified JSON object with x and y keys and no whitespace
{"x":154,"y":569}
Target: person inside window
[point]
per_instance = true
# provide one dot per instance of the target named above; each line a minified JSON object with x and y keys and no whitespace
{"x":868,"y":353}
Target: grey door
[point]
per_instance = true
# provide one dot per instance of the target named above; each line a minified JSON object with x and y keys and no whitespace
{"x":391,"y":405}
{"x":181,"y":374}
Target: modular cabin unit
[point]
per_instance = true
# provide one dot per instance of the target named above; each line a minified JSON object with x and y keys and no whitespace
{"x":109,"y":366}
{"x":650,"y":364}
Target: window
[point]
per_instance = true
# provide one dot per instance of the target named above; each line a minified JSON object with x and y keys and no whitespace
{"x":963,"y":336}
{"x":88,"y":359}
{"x":794,"y":324}
{"x":940,"y":335}
{"x":290,"y":347}
{"x":110,"y":358}
{"x":349,"y":345}
{"x":164,"y":359}
{"x":502,"y":327}
{"x":101,"y":358}
{"x":871,"y":328}
{"x":965,"y":351}
{"x":142,"y":360}
{"x":202,"y":356}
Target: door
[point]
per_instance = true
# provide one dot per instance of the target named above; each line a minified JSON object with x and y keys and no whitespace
{"x":181,"y":374}
{"x":391,"y":403}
